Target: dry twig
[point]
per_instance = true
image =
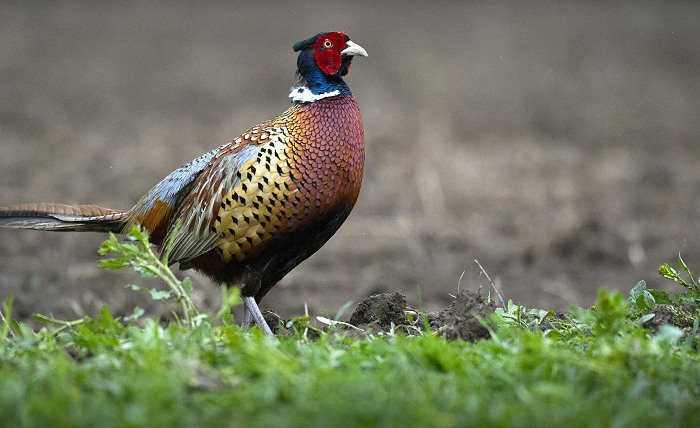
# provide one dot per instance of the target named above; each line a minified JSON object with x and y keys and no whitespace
{"x":498,"y":293}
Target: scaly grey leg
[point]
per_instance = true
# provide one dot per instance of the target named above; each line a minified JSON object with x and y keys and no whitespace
{"x":252,"y":307}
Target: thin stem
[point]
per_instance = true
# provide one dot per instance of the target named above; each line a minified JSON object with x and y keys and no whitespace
{"x":498,"y":293}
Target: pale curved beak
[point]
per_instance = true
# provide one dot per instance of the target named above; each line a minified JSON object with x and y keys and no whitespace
{"x":353,"y":49}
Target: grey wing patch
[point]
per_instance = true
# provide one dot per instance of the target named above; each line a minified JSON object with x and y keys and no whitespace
{"x":167,"y":191}
{"x":195,"y":235}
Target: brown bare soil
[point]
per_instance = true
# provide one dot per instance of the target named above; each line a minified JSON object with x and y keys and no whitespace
{"x":556,"y":142}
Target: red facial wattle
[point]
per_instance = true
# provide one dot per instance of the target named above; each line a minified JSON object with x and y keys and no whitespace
{"x":327,"y":52}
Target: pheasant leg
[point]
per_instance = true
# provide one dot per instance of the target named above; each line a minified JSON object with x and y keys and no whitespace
{"x":252,"y":310}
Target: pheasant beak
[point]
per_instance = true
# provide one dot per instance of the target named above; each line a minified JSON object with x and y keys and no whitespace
{"x":353,"y":49}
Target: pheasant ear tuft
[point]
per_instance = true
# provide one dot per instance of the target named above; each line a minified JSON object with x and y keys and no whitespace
{"x":298,"y":46}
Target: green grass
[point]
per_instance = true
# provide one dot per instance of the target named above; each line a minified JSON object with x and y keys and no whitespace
{"x":591,"y":367}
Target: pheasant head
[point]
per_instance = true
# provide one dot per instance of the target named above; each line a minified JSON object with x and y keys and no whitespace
{"x":323,"y":60}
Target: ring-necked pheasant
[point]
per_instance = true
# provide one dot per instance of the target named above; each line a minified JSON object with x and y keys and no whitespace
{"x":253,"y":209}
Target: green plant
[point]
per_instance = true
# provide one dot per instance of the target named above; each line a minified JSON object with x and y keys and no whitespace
{"x":140,"y":256}
{"x":645,"y":302}
{"x":517,"y":315}
{"x":688,"y":282}
{"x":647,"y":299}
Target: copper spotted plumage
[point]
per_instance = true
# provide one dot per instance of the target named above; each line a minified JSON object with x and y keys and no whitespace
{"x":253,"y":209}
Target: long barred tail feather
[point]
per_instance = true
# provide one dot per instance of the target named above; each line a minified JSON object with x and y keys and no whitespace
{"x":60,"y":217}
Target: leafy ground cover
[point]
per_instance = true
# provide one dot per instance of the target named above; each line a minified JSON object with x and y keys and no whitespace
{"x":615,"y":364}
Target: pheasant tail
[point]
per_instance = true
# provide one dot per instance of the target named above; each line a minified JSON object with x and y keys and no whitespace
{"x":60,"y":217}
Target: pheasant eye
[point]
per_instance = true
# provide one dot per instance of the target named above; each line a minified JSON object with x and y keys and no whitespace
{"x":327,"y":44}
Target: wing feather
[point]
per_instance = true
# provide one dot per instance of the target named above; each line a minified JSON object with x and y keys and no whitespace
{"x":201,"y":205}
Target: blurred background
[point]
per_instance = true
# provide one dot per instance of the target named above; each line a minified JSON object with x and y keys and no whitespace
{"x":556,"y":142}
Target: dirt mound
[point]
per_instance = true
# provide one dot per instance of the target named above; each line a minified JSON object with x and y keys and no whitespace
{"x":680,"y":316}
{"x":381,"y":311}
{"x":462,"y":319}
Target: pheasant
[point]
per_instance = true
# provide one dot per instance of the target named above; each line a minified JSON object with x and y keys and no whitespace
{"x":253,"y":209}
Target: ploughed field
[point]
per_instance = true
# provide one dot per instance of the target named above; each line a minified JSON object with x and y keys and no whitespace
{"x":557,"y":143}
